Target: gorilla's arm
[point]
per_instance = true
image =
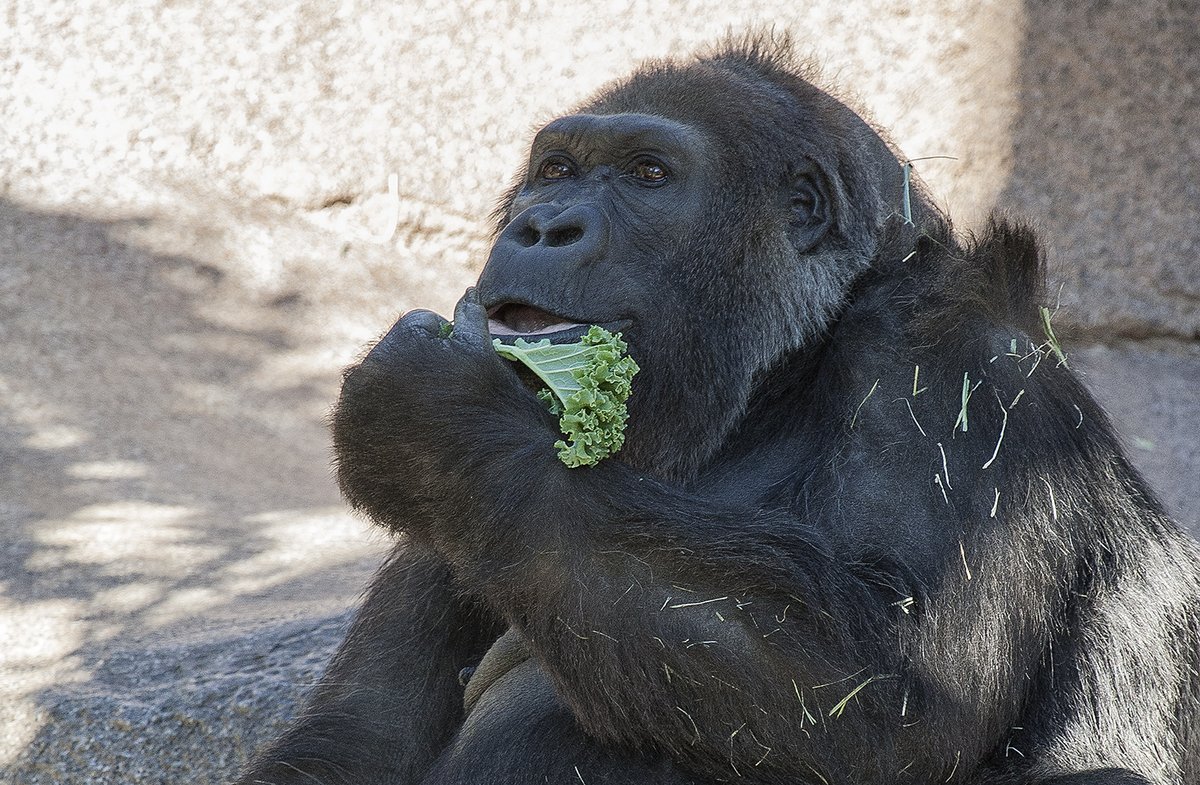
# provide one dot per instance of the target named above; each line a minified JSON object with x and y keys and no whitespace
{"x":672,"y":621}
{"x":390,"y":700}
{"x":731,"y":637}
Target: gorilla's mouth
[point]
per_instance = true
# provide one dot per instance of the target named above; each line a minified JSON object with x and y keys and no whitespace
{"x":513,"y":320}
{"x":510,"y":321}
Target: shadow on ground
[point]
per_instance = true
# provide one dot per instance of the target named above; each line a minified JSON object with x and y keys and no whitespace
{"x":163,"y":487}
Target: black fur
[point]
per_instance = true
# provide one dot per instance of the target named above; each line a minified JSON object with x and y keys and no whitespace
{"x":868,"y":527}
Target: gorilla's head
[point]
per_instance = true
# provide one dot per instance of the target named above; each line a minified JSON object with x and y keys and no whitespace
{"x":715,"y":212}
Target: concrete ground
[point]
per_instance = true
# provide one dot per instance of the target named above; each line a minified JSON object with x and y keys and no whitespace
{"x":197,"y":233}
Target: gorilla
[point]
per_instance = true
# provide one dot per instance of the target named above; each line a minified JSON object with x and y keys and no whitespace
{"x":866,"y":527}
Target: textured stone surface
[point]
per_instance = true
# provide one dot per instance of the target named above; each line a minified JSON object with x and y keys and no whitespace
{"x":178,"y":713}
{"x":196,"y":233}
{"x":1152,"y":392}
{"x":1106,"y":159}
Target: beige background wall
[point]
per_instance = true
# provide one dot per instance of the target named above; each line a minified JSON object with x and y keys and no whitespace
{"x":196,"y":233}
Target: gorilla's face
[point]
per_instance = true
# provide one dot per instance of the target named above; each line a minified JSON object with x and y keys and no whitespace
{"x":655,"y":228}
{"x":606,"y":205}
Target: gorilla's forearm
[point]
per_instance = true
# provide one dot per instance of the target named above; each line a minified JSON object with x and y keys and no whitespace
{"x":671,"y":620}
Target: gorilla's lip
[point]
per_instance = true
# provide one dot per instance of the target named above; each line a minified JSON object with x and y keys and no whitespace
{"x":510,"y":321}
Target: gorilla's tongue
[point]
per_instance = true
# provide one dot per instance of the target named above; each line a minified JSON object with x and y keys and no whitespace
{"x":515,"y":319}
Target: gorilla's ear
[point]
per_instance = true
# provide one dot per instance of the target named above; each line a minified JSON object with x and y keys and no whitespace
{"x":811,"y":209}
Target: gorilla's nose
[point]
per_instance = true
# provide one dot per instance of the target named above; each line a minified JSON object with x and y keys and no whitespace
{"x":548,"y":235}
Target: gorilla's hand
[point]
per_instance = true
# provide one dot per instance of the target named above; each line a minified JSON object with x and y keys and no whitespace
{"x":426,"y":412}
{"x":428,"y":359}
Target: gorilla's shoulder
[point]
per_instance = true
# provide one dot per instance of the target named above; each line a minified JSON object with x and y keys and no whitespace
{"x":988,"y":281}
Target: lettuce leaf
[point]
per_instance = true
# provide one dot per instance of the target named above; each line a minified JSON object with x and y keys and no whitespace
{"x":587,"y":386}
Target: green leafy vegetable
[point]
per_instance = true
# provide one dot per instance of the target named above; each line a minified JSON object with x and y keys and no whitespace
{"x":588,"y":384}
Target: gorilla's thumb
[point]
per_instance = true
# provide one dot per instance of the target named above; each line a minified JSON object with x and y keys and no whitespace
{"x":470,"y":320}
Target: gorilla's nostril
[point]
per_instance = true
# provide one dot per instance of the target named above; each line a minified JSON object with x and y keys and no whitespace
{"x":564,"y":235}
{"x":528,"y":237}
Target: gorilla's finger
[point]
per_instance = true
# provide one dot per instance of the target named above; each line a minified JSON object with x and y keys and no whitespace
{"x":470,"y":320}
{"x":426,"y":320}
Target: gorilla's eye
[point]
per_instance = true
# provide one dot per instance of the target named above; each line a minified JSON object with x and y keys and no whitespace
{"x":649,"y":171}
{"x":556,"y":168}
